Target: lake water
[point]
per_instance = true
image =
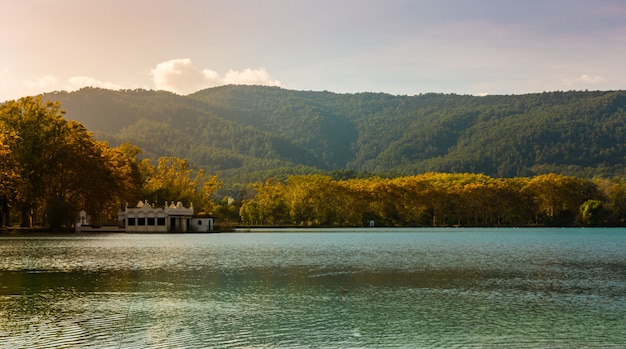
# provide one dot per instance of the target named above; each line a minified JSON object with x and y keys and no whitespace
{"x":341,"y":288}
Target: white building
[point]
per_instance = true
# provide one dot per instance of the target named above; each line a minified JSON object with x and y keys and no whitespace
{"x":147,"y":218}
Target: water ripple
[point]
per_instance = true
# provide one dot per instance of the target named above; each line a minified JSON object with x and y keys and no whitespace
{"x":437,"y":289}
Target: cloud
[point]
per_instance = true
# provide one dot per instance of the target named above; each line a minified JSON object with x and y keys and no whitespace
{"x":77,"y":82}
{"x":250,"y":77}
{"x":48,"y":83}
{"x":585,"y":80}
{"x":45,"y":82}
{"x":591,"y":79}
{"x":183,"y":77}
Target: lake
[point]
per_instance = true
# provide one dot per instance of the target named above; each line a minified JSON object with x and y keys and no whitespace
{"x":308,"y":288}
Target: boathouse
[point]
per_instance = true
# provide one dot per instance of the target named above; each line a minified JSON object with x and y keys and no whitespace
{"x":173,"y":218}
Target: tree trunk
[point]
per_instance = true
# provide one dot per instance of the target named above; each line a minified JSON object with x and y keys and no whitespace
{"x":26,"y":216}
{"x":4,"y":212}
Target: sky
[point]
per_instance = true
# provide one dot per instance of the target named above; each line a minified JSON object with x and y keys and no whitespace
{"x":401,"y":47}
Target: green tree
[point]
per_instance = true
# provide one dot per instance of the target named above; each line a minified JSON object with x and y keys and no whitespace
{"x":592,"y":213}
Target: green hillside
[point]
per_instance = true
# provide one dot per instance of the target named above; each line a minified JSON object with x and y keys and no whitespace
{"x":248,"y":133}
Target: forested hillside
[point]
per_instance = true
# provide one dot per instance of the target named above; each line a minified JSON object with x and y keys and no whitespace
{"x":249,"y":133}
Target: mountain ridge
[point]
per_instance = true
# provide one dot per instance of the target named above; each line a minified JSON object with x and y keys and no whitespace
{"x":248,"y":133}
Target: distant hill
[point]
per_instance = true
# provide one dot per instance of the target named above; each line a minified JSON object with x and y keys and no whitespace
{"x":248,"y":133}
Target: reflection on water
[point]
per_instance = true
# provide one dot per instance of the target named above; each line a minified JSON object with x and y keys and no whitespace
{"x":397,"y":288}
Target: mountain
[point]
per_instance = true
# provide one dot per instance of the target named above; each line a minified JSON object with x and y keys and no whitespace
{"x":248,"y":133}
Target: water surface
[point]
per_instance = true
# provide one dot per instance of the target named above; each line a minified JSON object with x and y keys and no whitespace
{"x":343,"y":288}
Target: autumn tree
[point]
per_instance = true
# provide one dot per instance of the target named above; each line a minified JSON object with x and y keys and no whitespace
{"x":85,"y":176}
{"x":37,"y":126}
{"x":356,"y":208}
{"x":134,"y":172}
{"x":268,"y":205}
{"x":312,"y":199}
{"x":614,"y":192}
{"x":173,"y":179}
{"x":9,"y":178}
{"x":60,"y":167}
{"x":209,"y":187}
{"x":437,"y":199}
{"x":558,"y":198}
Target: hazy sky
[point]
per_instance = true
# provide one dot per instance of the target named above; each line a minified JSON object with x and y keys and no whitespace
{"x":394,"y":46}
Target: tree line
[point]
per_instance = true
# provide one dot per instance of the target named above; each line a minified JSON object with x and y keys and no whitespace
{"x":436,"y":199}
{"x":51,"y":168}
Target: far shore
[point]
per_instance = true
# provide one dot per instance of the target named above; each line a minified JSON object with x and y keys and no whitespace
{"x":43,"y":231}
